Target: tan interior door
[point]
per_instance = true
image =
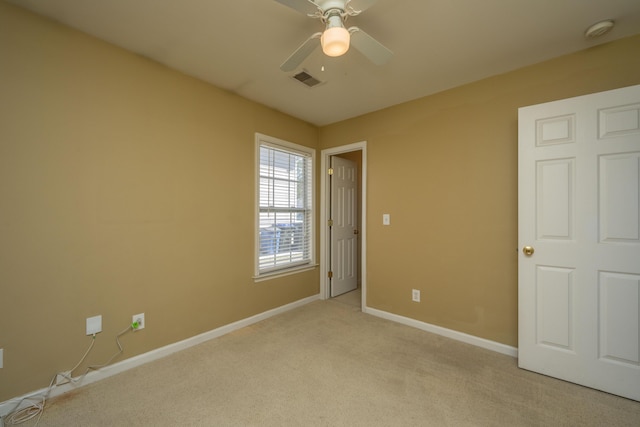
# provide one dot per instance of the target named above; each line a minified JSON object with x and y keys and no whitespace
{"x":579,"y":238}
{"x":344,"y":228}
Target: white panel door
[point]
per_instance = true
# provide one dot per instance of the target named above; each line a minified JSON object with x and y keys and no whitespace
{"x":578,"y":208}
{"x":344,"y":231}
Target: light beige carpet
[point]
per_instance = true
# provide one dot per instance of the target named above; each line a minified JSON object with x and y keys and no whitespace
{"x":353,"y":298}
{"x":328,"y":364}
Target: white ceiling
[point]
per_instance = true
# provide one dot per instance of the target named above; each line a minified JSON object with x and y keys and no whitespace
{"x":239,"y":45}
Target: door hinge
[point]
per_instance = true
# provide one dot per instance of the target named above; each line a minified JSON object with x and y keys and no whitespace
{"x":330,"y":171}
{"x":330,"y":223}
{"x":330,"y":274}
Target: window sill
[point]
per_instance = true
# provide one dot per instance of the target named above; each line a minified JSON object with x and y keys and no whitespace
{"x":282,"y":273}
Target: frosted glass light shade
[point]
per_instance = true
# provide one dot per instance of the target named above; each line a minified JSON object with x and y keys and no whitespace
{"x":335,"y":41}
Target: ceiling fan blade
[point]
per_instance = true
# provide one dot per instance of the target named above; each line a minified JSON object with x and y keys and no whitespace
{"x":369,"y":47}
{"x":306,"y":7}
{"x":360,"y":5}
{"x":301,"y":53}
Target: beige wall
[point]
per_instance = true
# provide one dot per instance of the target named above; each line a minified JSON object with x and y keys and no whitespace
{"x":125,"y":187}
{"x":445,"y":168}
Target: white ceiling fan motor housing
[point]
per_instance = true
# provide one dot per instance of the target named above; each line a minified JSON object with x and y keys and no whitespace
{"x":326,"y":5}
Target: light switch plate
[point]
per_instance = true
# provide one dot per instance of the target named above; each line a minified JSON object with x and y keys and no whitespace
{"x":94,"y":325}
{"x":1,"y":357}
{"x":386,"y":219}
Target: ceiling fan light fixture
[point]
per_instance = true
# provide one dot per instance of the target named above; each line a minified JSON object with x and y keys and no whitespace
{"x":335,"y":41}
{"x":335,"y":38}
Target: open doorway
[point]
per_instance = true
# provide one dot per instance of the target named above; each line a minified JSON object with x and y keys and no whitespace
{"x":343,"y":224}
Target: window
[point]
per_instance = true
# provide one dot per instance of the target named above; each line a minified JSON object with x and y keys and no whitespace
{"x":284,"y":235}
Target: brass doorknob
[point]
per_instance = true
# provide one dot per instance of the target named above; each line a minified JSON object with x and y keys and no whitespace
{"x":356,"y":232}
{"x":528,"y":250}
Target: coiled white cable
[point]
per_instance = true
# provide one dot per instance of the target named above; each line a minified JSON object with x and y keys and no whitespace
{"x":36,"y":408}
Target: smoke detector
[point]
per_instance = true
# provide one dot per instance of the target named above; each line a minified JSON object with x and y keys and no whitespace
{"x":598,"y":29}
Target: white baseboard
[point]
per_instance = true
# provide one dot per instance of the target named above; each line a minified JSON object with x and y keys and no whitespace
{"x":93,"y":376}
{"x":449,"y":333}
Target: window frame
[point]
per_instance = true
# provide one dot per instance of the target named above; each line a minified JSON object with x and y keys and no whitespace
{"x":262,"y":140}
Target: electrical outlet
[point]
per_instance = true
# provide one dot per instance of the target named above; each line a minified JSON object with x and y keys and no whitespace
{"x":137,"y":322}
{"x":415,"y":295}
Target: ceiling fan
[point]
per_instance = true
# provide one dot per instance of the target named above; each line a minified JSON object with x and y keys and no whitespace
{"x":335,"y":39}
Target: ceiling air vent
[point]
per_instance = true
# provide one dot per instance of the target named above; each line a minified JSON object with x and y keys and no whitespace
{"x":307,"y":79}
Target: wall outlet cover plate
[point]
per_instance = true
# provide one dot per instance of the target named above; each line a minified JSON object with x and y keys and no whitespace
{"x":139,"y":320}
{"x":94,"y":325}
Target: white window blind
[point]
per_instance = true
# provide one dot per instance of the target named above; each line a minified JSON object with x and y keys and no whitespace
{"x":285,"y":206}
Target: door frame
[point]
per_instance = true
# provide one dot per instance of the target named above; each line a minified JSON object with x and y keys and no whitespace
{"x":325,"y":242}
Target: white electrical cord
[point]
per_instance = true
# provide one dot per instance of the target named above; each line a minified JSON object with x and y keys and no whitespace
{"x":36,"y":408}
{"x":29,"y":412}
{"x":108,"y":362}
